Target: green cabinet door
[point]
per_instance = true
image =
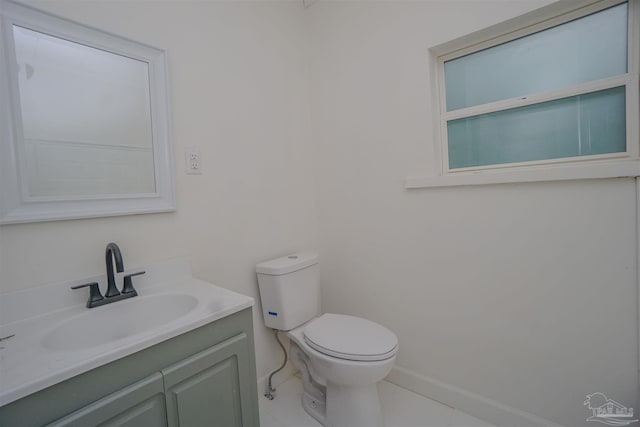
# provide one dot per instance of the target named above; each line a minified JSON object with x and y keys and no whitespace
{"x":141,"y":404}
{"x":213,"y":388}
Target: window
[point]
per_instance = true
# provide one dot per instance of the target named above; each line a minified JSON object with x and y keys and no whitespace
{"x":556,"y":90}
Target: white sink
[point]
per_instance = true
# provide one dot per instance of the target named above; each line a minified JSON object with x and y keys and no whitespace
{"x":118,"y":320}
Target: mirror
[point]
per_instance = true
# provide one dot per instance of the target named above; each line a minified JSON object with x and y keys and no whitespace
{"x":89,"y":110}
{"x":99,"y":140}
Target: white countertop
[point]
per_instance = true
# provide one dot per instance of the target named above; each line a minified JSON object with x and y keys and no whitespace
{"x":27,"y":365}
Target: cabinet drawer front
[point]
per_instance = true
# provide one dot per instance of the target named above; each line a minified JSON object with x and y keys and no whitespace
{"x":141,"y":404}
{"x":207,"y":389}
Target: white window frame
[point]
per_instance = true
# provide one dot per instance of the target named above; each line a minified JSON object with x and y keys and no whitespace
{"x":620,"y":164}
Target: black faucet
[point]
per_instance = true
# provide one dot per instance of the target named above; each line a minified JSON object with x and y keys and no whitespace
{"x":111,"y":253}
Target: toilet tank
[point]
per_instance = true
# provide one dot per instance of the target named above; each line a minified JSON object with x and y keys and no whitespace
{"x":289,"y":290}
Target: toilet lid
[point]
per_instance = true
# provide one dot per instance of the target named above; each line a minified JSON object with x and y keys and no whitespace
{"x":350,"y":337}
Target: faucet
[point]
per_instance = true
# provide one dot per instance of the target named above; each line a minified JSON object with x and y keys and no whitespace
{"x":112,"y":253}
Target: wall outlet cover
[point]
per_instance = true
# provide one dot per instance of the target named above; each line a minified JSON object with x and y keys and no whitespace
{"x":194,"y":163}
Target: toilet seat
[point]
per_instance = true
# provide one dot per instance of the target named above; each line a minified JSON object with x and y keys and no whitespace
{"x":350,"y":338}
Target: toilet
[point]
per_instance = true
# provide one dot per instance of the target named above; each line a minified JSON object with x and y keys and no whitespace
{"x":341,"y":357}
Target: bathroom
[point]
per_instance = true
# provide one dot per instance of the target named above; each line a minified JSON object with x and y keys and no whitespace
{"x":510,"y":301}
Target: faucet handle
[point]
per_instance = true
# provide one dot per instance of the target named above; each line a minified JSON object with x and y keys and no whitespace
{"x":94,"y":293}
{"x":127,"y":288}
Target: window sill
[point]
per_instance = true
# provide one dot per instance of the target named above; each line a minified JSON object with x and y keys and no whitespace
{"x":619,"y":169}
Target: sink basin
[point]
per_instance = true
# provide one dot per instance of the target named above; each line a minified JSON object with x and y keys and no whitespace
{"x":118,"y":320}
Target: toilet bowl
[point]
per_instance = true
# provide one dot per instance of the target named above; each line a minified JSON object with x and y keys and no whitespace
{"x":345,"y":357}
{"x":341,"y":357}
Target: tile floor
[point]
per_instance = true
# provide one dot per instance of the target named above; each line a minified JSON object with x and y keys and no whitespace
{"x":400,"y":408}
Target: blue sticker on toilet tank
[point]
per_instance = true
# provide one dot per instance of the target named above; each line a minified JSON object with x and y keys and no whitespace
{"x":273,"y":313}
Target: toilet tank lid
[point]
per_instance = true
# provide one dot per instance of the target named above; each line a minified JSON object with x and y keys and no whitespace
{"x":287,"y":264}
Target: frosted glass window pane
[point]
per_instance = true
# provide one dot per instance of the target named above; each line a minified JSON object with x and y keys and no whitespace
{"x":587,"y":49}
{"x":577,"y":126}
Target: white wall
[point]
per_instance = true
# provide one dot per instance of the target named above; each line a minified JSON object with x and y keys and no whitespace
{"x":239,"y":93}
{"x":523,"y":294}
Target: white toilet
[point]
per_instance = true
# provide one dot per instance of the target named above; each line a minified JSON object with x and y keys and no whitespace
{"x":341,"y":357}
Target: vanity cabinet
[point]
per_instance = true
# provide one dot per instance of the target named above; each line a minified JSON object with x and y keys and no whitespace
{"x":140,"y":404}
{"x":205,"y":377}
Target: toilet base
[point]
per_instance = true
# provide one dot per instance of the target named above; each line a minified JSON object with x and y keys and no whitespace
{"x":314,"y":406}
{"x":345,"y":406}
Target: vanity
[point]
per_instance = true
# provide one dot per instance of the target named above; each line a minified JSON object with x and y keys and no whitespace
{"x":179,"y":354}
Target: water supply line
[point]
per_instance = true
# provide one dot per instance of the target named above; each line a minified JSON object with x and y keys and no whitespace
{"x":270,"y":394}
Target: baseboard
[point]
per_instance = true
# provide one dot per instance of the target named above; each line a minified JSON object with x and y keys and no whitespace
{"x":473,"y":404}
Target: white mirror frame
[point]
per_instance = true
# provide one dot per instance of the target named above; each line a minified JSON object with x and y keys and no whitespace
{"x":15,"y":204}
